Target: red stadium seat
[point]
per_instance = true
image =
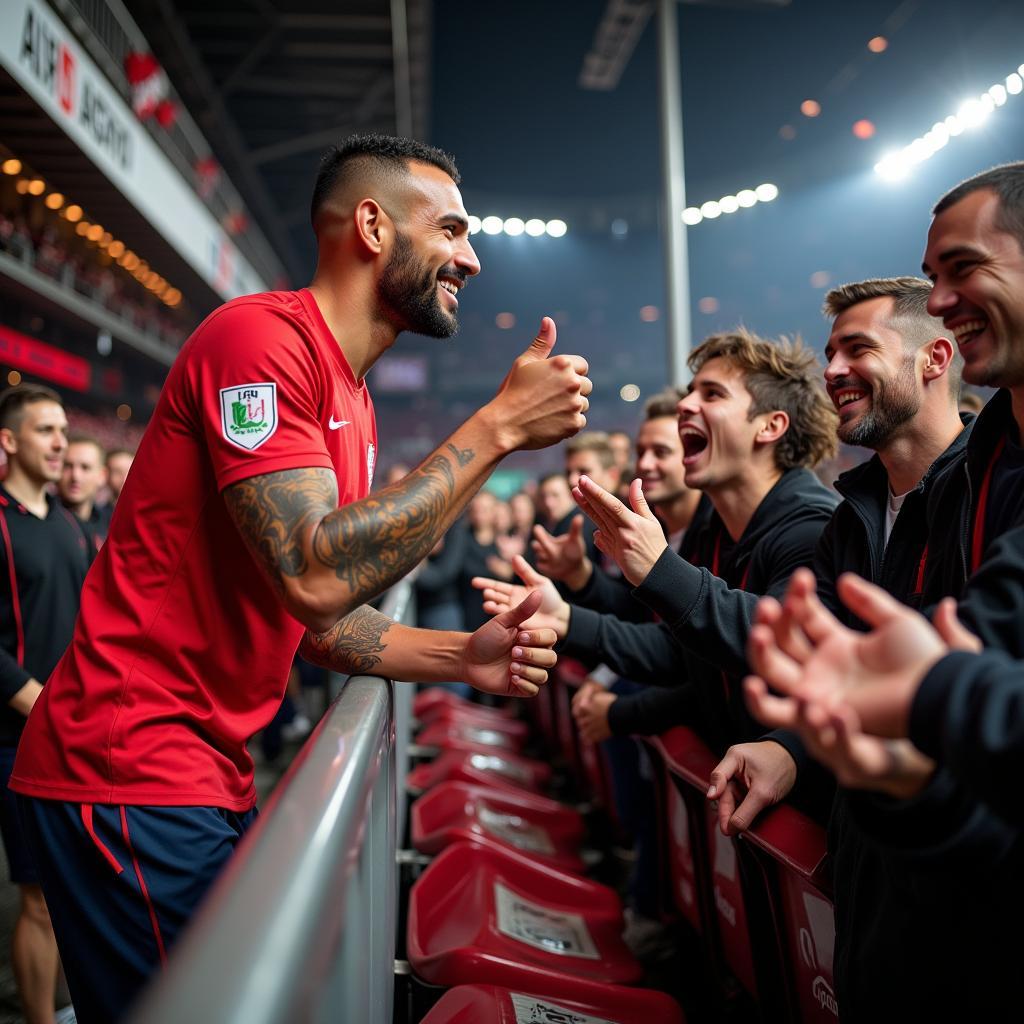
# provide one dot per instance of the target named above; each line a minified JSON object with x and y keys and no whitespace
{"x":487,"y":916}
{"x":427,"y":703}
{"x":481,"y":718}
{"x":458,"y":811}
{"x":488,"y":1004}
{"x":450,"y":735}
{"x":493,"y":768}
{"x":795,"y":851}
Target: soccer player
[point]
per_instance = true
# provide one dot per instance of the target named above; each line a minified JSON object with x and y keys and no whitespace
{"x":244,"y":533}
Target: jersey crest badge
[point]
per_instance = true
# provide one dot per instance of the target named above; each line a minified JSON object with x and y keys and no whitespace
{"x":248,"y":414}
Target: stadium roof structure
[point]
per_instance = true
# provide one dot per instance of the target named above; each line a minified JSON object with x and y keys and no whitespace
{"x":273,"y":84}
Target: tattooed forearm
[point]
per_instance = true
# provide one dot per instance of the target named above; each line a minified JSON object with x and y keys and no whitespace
{"x":292,"y":523}
{"x":463,"y":456}
{"x":352,"y":645}
{"x":371,"y":544}
{"x":275,"y":511}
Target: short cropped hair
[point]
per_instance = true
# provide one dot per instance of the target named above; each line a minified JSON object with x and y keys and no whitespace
{"x":383,"y":155}
{"x":14,"y":400}
{"x":595,"y":441}
{"x":663,"y":404}
{"x":88,"y":439}
{"x":910,"y":316}
{"x":1007,"y":182}
{"x":130,"y":452}
{"x":780,"y":375}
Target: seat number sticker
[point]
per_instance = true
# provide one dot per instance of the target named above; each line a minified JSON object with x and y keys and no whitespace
{"x":531,"y":1010}
{"x":552,"y":931}
{"x":514,"y":830}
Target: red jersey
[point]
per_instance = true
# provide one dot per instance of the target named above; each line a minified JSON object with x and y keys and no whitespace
{"x":182,"y":647}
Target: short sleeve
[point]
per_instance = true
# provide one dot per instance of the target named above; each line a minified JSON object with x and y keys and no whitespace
{"x":257,"y":390}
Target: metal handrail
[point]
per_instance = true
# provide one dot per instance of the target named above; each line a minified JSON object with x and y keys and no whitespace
{"x":301,"y":924}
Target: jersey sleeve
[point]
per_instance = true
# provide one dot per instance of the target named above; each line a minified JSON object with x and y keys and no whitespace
{"x":258,"y":392}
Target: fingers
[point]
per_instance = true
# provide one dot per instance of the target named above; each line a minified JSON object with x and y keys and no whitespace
{"x":539,"y":657}
{"x":770,"y":662}
{"x":485,"y":583}
{"x":527,"y":573}
{"x":521,"y":612}
{"x":867,"y":601}
{"x":543,"y":343}
{"x":744,"y":816}
{"x":522,"y":688}
{"x":495,"y":596}
{"x":722,"y":773}
{"x":600,"y":498}
{"x":774,"y":712}
{"x":539,"y":637}
{"x":575,"y":529}
{"x":731,"y":795}
{"x":952,"y":630}
{"x":537,"y":676}
{"x":638,"y":501}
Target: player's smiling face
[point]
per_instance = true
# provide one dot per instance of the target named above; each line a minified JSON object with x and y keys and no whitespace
{"x":870,"y":375}
{"x":978,"y":272}
{"x":659,"y":459}
{"x":40,"y":441}
{"x":431,"y":259}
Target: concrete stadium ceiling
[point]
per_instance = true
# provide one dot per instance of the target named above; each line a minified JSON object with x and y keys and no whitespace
{"x":272,"y":83}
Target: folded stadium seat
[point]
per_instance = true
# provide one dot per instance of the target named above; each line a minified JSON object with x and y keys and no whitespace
{"x":732,"y":895}
{"x":489,"y":1004}
{"x":493,"y":768}
{"x":459,"y":811}
{"x":434,"y":699}
{"x":793,"y":850}
{"x":427,"y":703}
{"x":482,"y":915}
{"x":453,"y":735}
{"x":482,"y":719}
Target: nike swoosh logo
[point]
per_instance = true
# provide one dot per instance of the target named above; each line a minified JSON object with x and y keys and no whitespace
{"x":336,"y":424}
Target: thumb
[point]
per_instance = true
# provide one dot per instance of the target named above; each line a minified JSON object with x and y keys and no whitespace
{"x":575,"y":528}
{"x":638,"y":501}
{"x":522,"y":611}
{"x":527,"y":573}
{"x":541,"y":346}
{"x":721,"y":774}
{"x":952,"y":630}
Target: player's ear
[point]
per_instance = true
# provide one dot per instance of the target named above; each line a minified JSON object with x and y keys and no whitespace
{"x":373,"y":226}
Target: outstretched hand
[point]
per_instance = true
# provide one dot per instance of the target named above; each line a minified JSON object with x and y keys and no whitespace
{"x":498,"y":596}
{"x":802,"y":651}
{"x":503,"y":658}
{"x":633,"y":538}
{"x":563,"y":558}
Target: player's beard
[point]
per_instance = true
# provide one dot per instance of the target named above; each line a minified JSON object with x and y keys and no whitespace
{"x":409,"y":291}
{"x":893,"y":402}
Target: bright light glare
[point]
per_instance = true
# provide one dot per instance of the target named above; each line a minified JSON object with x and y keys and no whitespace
{"x":534,"y":227}
{"x":972,"y":113}
{"x":557,"y":228}
{"x":710,"y":210}
{"x":743,"y":199}
{"x":492,"y":225}
{"x":629,"y":392}
{"x":729,"y":204}
{"x":514,"y":226}
{"x":766,"y":193}
{"x":746,"y":198}
{"x":691,"y":215}
{"x":474,"y":225}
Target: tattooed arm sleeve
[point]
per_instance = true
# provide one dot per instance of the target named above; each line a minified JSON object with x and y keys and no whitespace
{"x":323,"y":560}
{"x":365,"y":642}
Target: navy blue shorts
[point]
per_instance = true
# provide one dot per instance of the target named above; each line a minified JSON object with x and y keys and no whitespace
{"x":121,"y":883}
{"x":20,"y":865}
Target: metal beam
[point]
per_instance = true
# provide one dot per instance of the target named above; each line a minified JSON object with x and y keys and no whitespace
{"x":400,"y":60}
{"x":314,"y":86}
{"x":221,"y":126}
{"x":250,"y":60}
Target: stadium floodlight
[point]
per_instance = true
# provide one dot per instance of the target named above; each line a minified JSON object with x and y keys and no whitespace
{"x":513,"y":226}
{"x":492,"y":225}
{"x":556,"y":228}
{"x":742,"y":200}
{"x":535,"y":227}
{"x":972,"y":113}
{"x":474,"y":225}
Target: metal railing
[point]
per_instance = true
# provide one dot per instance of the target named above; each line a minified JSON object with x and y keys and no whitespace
{"x":301,"y":925}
